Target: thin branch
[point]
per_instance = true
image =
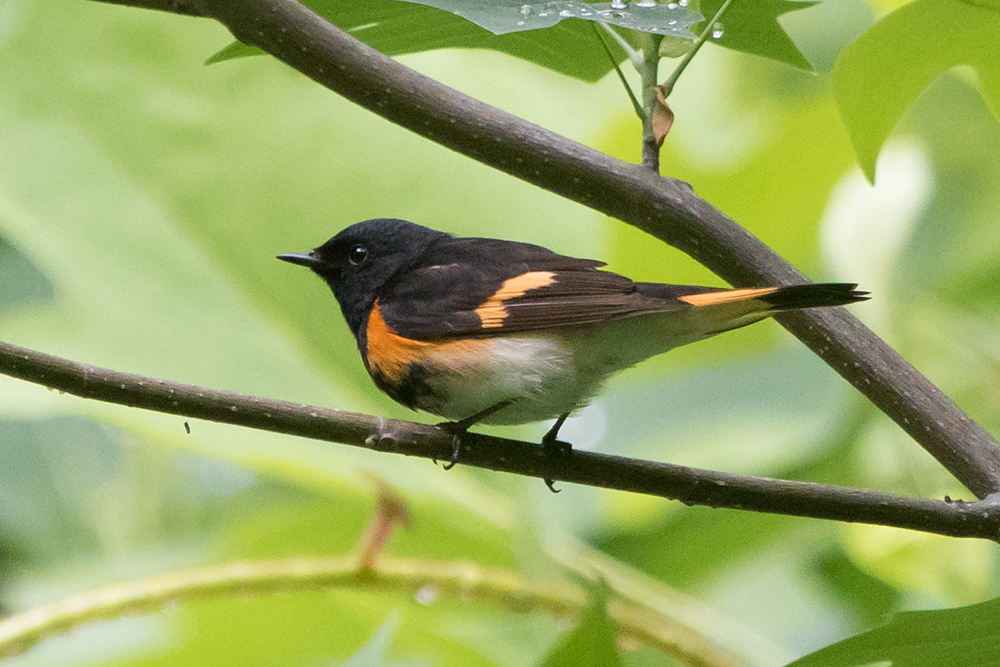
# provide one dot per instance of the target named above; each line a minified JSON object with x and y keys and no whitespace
{"x":666,"y":208}
{"x":688,"y":485}
{"x":671,"y":81}
{"x":411,"y":577}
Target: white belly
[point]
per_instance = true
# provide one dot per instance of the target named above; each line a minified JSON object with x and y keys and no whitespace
{"x":536,"y":372}
{"x":546,"y":376}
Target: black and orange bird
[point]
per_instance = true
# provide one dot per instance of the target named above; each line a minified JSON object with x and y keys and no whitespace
{"x":480,"y":330}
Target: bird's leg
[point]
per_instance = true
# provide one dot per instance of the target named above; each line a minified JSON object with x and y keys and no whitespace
{"x":459,"y":428}
{"x":552,"y":447}
{"x":549,"y":440}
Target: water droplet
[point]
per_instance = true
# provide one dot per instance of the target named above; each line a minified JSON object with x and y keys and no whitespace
{"x":520,"y":23}
{"x":542,"y":14}
{"x":525,"y":10}
{"x":683,"y":3}
{"x":672,"y":5}
{"x":565,"y":13}
{"x":426,"y":595}
{"x":717,"y":30}
{"x":618,"y":4}
{"x":646,"y":3}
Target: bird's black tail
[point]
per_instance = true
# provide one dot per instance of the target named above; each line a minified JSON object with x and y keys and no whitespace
{"x":813,"y":296}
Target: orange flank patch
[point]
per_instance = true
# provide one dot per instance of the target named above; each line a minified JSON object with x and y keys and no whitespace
{"x":492,"y":313}
{"x":393,"y":354}
{"x":726,"y":296}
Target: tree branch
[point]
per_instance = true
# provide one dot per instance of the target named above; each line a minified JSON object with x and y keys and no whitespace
{"x":688,"y":485}
{"x":665,"y":208}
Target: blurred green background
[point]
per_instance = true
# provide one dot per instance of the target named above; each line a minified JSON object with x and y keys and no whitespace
{"x":144,"y":196}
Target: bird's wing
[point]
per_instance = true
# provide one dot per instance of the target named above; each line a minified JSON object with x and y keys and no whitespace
{"x":480,"y":287}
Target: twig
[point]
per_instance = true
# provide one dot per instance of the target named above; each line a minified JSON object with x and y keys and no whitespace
{"x":665,"y":208}
{"x":412,"y":577}
{"x":689,"y":485}
{"x":671,"y":81}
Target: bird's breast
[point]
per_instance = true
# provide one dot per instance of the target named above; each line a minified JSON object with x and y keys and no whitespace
{"x":456,"y":379}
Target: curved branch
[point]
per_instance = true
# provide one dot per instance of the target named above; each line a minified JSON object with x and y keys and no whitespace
{"x":455,"y":579}
{"x":688,"y":485}
{"x":665,"y":208}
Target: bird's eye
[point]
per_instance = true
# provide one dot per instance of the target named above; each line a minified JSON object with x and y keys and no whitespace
{"x":357,"y":254}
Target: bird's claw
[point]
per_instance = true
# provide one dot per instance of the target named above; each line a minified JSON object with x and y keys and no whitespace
{"x":457,"y":430}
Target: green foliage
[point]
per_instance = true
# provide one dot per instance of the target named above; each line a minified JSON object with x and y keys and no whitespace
{"x":962,"y":637}
{"x":569,"y":46}
{"x":144,"y":197}
{"x":752,"y":27}
{"x":593,"y":642}
{"x":880,"y":75}
{"x":397,"y":28}
{"x":375,"y":651}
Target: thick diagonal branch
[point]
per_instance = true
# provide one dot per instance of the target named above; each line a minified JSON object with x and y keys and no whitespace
{"x":689,"y":485}
{"x":666,"y":208}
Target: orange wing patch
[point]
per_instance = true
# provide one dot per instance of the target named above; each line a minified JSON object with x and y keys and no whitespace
{"x":726,"y":296}
{"x":492,"y":313}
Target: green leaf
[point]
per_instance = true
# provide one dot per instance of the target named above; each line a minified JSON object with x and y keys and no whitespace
{"x":960,"y":637}
{"x":869,"y":596}
{"x":504,"y":16}
{"x":375,"y":652}
{"x":879,"y":76}
{"x":752,"y":27}
{"x":593,"y":642}
{"x":398,"y":28}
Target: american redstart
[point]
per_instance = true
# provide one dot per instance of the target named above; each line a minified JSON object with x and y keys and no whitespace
{"x":499,"y":332}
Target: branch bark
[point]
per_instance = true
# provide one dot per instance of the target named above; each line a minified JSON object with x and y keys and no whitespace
{"x":688,"y":485}
{"x":665,"y":208}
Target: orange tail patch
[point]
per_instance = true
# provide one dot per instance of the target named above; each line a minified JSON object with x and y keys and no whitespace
{"x":727,"y":296}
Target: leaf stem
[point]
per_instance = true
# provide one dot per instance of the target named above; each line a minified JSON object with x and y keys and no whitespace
{"x":633,"y":55}
{"x":648,"y":72}
{"x":636,"y":105}
{"x":668,"y":84}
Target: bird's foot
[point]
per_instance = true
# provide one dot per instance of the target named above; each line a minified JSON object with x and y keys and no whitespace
{"x":461,"y":427}
{"x":457,"y":430}
{"x":554,"y":449}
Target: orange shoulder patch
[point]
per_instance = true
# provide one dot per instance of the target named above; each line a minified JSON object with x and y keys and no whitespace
{"x":387,"y":351}
{"x":726,"y":296}
{"x":492,"y":313}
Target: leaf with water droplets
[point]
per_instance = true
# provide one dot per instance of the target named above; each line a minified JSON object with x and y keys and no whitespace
{"x":398,"y":28}
{"x":505,"y":16}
